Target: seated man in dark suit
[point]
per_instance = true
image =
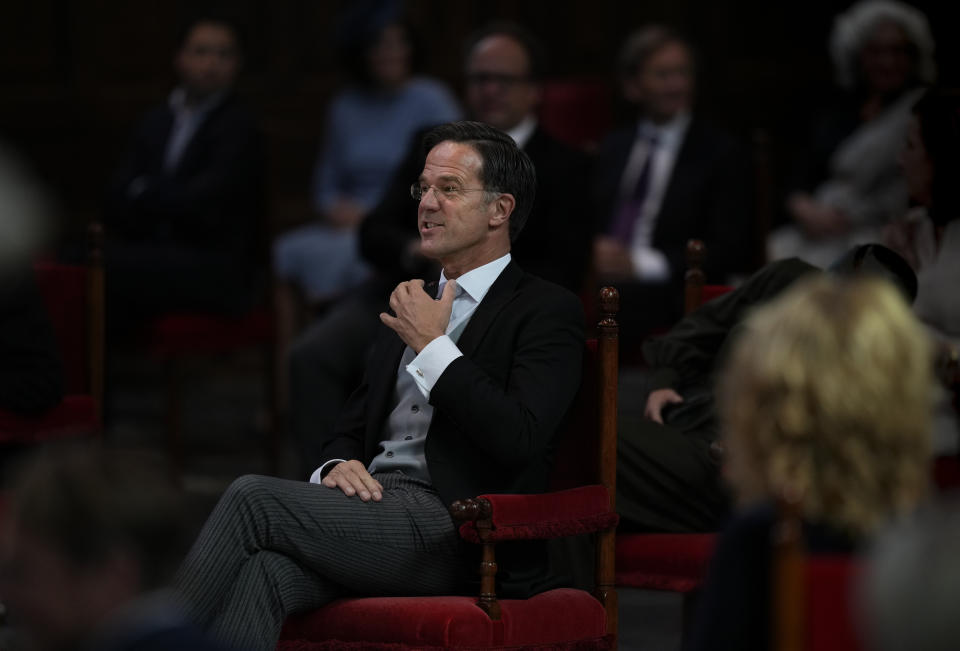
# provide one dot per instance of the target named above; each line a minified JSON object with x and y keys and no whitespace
{"x":662,"y":181}
{"x":463,"y":394}
{"x":668,"y":464}
{"x":184,"y":206}
{"x":503,"y":72}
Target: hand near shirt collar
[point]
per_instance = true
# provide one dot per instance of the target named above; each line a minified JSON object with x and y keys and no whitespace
{"x":419,"y":318}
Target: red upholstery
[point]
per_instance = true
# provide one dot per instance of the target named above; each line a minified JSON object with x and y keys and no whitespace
{"x":946,"y":473}
{"x":829,"y":621}
{"x":209,"y":334}
{"x":64,"y":291}
{"x":75,"y":415}
{"x":547,"y":515}
{"x":663,"y":561}
{"x":558,"y":619}
{"x":710,"y":292}
{"x":576,"y":111}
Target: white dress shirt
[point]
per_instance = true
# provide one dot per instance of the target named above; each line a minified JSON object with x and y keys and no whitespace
{"x":650,"y":263}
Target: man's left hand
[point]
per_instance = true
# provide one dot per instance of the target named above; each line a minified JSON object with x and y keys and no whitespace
{"x":419,"y":319}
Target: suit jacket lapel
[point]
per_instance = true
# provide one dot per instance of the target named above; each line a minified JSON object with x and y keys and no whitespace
{"x":497,"y":297}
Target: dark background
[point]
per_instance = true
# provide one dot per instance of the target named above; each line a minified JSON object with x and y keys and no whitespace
{"x":76,"y":74}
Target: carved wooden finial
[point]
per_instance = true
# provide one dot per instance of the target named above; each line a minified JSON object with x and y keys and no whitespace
{"x":696,"y":252}
{"x":609,"y":300}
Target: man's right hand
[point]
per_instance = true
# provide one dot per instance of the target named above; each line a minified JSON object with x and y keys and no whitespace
{"x":658,"y":400}
{"x":353,"y":479}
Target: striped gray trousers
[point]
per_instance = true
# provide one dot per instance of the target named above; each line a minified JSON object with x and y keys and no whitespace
{"x":274,"y":547}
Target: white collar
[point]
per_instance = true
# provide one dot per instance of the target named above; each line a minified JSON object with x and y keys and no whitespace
{"x":477,"y":282}
{"x":668,"y":133}
{"x":178,"y":101}
{"x":521,"y":132}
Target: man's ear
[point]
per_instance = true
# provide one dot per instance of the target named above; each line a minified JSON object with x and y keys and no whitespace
{"x":502,"y":209}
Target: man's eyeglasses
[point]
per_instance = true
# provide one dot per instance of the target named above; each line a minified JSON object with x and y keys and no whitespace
{"x":505,"y":81}
{"x":446,"y":190}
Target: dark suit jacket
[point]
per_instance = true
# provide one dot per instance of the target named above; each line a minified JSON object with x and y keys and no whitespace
{"x":498,"y":407}
{"x":189,"y":239}
{"x":707,"y":197}
{"x":554,"y":244}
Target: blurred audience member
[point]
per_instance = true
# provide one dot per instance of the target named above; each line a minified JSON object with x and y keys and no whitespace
{"x":668,"y":462}
{"x":663,"y":180}
{"x":824,"y":400}
{"x":849,"y":186}
{"x":504,"y":67}
{"x":368,"y":129}
{"x":31,"y":371}
{"x":93,"y":542}
{"x":929,"y":236}
{"x":184,"y":208}
{"x":911,"y":586}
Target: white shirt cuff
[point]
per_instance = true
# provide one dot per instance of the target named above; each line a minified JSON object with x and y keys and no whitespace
{"x":650,"y":264}
{"x":318,"y":473}
{"x":427,"y":367}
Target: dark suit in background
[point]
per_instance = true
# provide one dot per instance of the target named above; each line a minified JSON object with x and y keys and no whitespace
{"x":185,"y":239}
{"x":326,"y":362}
{"x":707,"y":197}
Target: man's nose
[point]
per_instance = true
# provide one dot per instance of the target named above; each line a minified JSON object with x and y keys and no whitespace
{"x":429,"y":198}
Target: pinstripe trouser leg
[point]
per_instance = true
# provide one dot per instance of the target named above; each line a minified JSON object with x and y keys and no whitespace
{"x":274,"y":547}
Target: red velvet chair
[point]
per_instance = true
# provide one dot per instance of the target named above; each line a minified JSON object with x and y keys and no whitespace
{"x":664,"y":561}
{"x":576,"y":111}
{"x":73,"y":296}
{"x":812,"y":597}
{"x":176,"y":337}
{"x":557,"y":619}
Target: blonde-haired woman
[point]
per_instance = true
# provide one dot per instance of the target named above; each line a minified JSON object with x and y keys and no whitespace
{"x":825,"y":399}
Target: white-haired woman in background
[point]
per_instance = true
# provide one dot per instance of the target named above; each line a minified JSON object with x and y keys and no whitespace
{"x":847,"y":185}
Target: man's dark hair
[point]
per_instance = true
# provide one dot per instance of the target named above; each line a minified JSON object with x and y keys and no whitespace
{"x":938,"y":113}
{"x":90,"y":504}
{"x":878,"y":260}
{"x":506,"y":168}
{"x":644,"y":43}
{"x":222,"y":19}
{"x":536,"y":54}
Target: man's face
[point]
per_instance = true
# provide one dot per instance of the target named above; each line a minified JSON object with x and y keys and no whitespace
{"x":455,"y":218}
{"x":209,"y":61}
{"x":886,"y":60}
{"x":663,"y":86}
{"x":499,"y":89}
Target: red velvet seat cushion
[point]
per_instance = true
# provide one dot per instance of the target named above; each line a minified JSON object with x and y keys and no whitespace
{"x":209,"y":333}
{"x":946,"y":473}
{"x":558,"y":619}
{"x":829,"y":617}
{"x":663,"y":561}
{"x":74,"y":416}
{"x":64,"y":291}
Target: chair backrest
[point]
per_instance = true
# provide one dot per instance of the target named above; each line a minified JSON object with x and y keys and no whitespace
{"x":811,"y":609}
{"x":587,"y":446}
{"x":74,"y":299}
{"x":696,"y":292}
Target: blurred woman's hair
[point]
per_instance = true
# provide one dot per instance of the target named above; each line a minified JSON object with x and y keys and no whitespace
{"x":826,"y":399}
{"x":853,"y":28}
